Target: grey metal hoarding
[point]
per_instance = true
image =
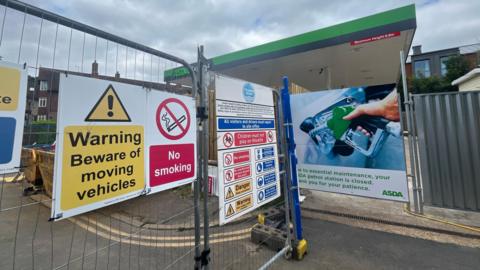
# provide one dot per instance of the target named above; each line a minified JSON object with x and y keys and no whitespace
{"x":448,"y":128}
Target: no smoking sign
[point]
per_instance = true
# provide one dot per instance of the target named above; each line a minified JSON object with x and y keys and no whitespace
{"x":173,"y":119}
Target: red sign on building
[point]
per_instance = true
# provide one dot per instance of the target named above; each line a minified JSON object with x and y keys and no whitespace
{"x":375,"y":38}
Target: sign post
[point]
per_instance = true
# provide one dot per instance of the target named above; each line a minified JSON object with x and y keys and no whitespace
{"x":247,"y":147}
{"x":13,"y":86}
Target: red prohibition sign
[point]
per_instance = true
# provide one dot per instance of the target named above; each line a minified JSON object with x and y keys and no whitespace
{"x":270,"y":136}
{"x":228,"y":159}
{"x":228,"y":175}
{"x":227,"y":140}
{"x":177,"y":121}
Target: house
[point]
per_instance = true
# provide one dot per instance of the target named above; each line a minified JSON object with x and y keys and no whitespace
{"x":469,"y":81}
{"x":433,"y":63}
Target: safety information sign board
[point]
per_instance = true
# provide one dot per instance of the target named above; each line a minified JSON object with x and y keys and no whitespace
{"x":171,"y":140}
{"x":13,"y":89}
{"x":99,"y":158}
{"x":247,"y":147}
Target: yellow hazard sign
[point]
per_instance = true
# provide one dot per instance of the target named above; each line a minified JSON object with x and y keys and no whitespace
{"x":109,"y":108}
{"x":243,"y":203}
{"x":229,"y":194}
{"x":101,"y":163}
{"x":9,"y":88}
{"x":230,"y":211}
{"x":243,"y":187}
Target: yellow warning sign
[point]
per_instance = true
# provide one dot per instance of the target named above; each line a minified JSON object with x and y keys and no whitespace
{"x":243,"y":187}
{"x":109,"y":108}
{"x":100,"y":163}
{"x":230,"y":210}
{"x":9,"y":88}
{"x":243,"y":203}
{"x":229,"y":194}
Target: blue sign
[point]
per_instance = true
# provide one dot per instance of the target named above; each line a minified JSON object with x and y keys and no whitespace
{"x":260,"y":181}
{"x":7,"y":137}
{"x":262,"y":153}
{"x":243,"y":123}
{"x":269,"y":178}
{"x":259,"y":167}
{"x":261,"y":195}
{"x":265,"y":165}
{"x":270,"y":191}
{"x":248,"y":92}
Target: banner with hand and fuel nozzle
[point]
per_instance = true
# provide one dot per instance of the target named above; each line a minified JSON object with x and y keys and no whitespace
{"x":350,"y":141}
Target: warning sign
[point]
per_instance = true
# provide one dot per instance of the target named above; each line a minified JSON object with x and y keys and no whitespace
{"x":238,"y":189}
{"x":240,"y":205}
{"x":13,"y":87}
{"x":100,"y":153}
{"x":230,"y":211}
{"x":108,"y":108}
{"x":228,"y":140}
{"x":237,"y":173}
{"x":173,"y":119}
{"x":101,"y":163}
{"x":233,"y":158}
{"x":229,"y":193}
{"x":170,"y":163}
{"x":10,"y":88}
{"x":247,"y":149}
{"x":171,"y":141}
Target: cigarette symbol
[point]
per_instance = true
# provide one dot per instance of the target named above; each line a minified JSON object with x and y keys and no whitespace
{"x":175,"y":124}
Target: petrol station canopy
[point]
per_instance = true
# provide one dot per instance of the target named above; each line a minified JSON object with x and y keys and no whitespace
{"x":361,"y":52}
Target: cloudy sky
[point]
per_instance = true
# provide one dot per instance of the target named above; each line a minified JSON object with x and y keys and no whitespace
{"x":178,"y":26}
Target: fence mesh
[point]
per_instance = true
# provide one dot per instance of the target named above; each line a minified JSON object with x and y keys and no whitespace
{"x":148,"y":232}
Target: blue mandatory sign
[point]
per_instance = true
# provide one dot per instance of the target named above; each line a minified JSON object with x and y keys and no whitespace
{"x":260,"y":181}
{"x":265,"y":165}
{"x":270,"y":191}
{"x":259,"y":167}
{"x":269,"y":178}
{"x":265,"y":152}
{"x":261,"y":195}
{"x":241,"y":123}
{"x":248,"y":92}
{"x":7,"y":137}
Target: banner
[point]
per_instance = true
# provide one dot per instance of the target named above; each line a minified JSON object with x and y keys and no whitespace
{"x":248,"y":173}
{"x":350,"y":141}
{"x":171,"y":138}
{"x":104,"y":152}
{"x":13,"y":80}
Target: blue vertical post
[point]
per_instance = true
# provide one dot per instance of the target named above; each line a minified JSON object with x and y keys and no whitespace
{"x":287,"y":120}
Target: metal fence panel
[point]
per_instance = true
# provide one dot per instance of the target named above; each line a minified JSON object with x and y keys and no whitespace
{"x":448,"y":129}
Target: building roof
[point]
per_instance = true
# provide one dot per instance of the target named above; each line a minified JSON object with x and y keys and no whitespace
{"x":470,"y":75}
{"x":389,"y":31}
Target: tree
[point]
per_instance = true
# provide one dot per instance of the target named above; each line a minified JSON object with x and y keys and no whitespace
{"x":457,"y":66}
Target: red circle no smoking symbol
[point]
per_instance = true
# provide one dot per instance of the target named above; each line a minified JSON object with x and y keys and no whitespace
{"x":173,"y":119}
{"x":228,"y":139}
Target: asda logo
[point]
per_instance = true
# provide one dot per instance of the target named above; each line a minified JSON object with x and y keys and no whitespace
{"x":392,"y":193}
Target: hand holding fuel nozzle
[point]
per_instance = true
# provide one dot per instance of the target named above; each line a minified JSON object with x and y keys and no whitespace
{"x":386,"y":108}
{"x":337,"y":128}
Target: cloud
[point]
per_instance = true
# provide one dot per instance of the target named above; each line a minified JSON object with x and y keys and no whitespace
{"x":177,"y":27}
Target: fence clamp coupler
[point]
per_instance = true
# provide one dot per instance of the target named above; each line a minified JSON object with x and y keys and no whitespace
{"x":202,"y":113}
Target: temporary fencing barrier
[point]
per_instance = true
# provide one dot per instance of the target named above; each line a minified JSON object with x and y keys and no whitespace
{"x":159,"y":231}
